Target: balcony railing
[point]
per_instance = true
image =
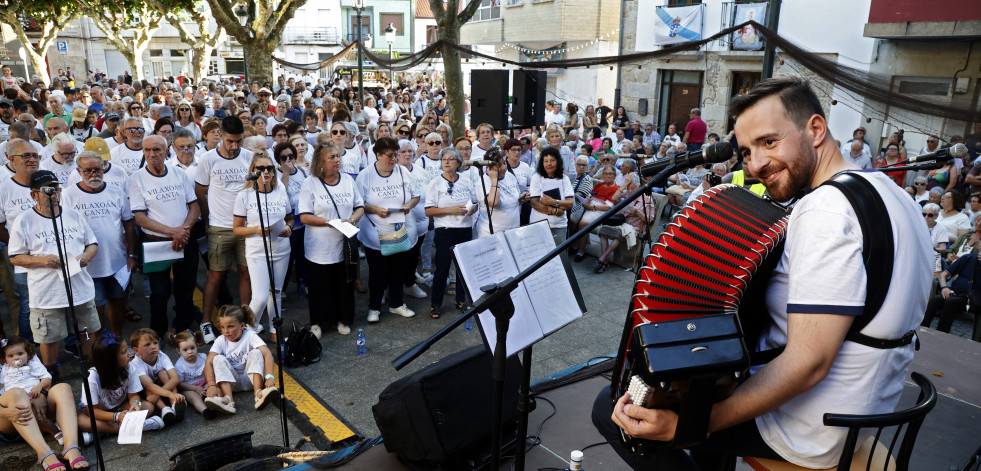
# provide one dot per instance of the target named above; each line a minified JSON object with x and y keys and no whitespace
{"x":324,"y":35}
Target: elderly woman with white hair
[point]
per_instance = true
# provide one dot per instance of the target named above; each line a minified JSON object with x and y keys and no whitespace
{"x":451,"y":201}
{"x":445,"y":132}
{"x":256,"y":144}
{"x":921,"y":194}
{"x":554,"y":135}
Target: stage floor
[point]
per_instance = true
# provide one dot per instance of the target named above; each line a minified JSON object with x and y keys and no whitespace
{"x":949,"y":434}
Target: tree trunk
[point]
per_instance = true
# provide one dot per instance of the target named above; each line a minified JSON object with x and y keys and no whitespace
{"x":258,"y":59}
{"x":201,"y":55}
{"x":37,"y":62}
{"x":136,"y":62}
{"x":453,"y":74}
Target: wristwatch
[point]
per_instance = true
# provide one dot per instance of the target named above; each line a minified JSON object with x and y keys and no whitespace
{"x":134,"y":256}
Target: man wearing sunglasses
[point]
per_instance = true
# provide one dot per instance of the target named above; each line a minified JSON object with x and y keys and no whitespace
{"x":129,"y":155}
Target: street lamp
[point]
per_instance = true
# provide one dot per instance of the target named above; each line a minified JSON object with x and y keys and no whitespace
{"x":242,"y":12}
{"x":359,"y":6}
{"x":390,"y":37}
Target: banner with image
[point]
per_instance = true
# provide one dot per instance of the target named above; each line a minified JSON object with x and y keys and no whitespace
{"x":677,"y":25}
{"x":747,"y":38}
{"x":554,"y":53}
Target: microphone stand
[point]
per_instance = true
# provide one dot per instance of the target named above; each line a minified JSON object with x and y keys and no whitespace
{"x":74,"y":322}
{"x":277,"y":320}
{"x":933,"y":165}
{"x":497,"y":299}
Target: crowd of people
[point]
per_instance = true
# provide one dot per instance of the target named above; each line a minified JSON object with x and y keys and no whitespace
{"x":243,"y":177}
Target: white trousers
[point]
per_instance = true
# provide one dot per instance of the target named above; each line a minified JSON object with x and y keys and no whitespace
{"x":259,"y":275}
{"x":225,"y":372}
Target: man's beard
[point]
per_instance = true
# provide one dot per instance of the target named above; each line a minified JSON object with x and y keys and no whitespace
{"x":94,"y":182}
{"x":799,"y":174}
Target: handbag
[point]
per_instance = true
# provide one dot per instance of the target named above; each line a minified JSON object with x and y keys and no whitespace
{"x":615,"y":220}
{"x":350,"y":248}
{"x":393,"y":238}
{"x":302,"y":347}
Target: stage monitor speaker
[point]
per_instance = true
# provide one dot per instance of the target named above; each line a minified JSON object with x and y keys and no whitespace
{"x":441,"y":415}
{"x":489,"y":98}
{"x":529,"y":98}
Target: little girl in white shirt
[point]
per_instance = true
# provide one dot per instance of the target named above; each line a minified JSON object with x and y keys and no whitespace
{"x":190,"y":370}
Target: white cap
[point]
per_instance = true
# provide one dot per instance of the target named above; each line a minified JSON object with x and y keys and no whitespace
{"x":576,"y":455}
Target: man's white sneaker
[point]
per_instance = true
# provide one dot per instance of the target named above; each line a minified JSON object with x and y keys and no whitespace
{"x":153,"y":423}
{"x":402,"y":310}
{"x":342,"y":329}
{"x":208,"y":332}
{"x":168,"y":415}
{"x":415,"y":291}
{"x":315,"y":330}
{"x":266,"y":396}
{"x":373,"y":316}
{"x":259,"y":328}
{"x":220,"y":404}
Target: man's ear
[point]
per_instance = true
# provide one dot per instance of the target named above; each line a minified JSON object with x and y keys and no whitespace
{"x":817,"y":128}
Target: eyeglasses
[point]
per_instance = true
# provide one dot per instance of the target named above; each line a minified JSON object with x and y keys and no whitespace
{"x":390,"y":155}
{"x":265,"y":168}
{"x":138,"y":108}
{"x":28,"y":156}
{"x":929,"y":215}
{"x":931,"y":141}
{"x":420,"y":136}
{"x":919,"y":184}
{"x":435,"y":143}
{"x":403,"y":133}
{"x":136,"y":130}
{"x":68,"y":155}
{"x":337,"y":132}
{"x":185,"y":109}
{"x":184,"y":148}
{"x":92,"y":171}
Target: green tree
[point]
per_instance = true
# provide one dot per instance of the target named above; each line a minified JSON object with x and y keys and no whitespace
{"x":129,"y":27}
{"x":261,"y":34}
{"x":201,"y":40}
{"x":45,"y":17}
{"x":448,"y":23}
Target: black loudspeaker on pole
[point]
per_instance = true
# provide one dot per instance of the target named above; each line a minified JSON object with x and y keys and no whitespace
{"x":529,"y":98}
{"x":489,"y":98}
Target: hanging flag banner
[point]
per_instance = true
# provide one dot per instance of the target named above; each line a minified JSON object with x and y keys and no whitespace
{"x":554,"y":53}
{"x":747,"y":38}
{"x":677,"y":25}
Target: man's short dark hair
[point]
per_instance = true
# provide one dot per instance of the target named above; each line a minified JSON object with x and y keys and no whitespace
{"x":797,"y":96}
{"x":232,"y":125}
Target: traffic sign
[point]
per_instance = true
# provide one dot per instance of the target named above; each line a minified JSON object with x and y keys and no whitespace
{"x":62,"y":47}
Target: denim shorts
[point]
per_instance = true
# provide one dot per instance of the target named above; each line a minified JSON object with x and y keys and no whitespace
{"x":107,"y":288}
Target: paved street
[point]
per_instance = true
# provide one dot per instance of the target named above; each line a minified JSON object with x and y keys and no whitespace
{"x":350,"y":384}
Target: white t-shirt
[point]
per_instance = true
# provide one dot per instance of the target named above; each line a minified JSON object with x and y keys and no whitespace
{"x":433,"y":167}
{"x":130,"y":160}
{"x":954,"y":223}
{"x":163,"y":363}
{"x":312,"y":136}
{"x":293,"y":190}
{"x":354,"y":160}
{"x":5,"y":173}
{"x":14,"y":200}
{"x":62,"y":171}
{"x":324,"y":244}
{"x":477,"y":152}
{"x":237,"y":352}
{"x":522,"y":173}
{"x":275,"y":207}
{"x":391,"y":192}
{"x":539,"y":185}
{"x":271,"y":122}
{"x":24,"y":377}
{"x":32,"y":234}
{"x":163,"y":198}
{"x":191,"y":373}
{"x":105,"y":210}
{"x":115,"y":176}
{"x":822,"y":271}
{"x":193,"y":127}
{"x":438,"y":195}
{"x":507,"y":214}
{"x":224,"y":178}
{"x":110,"y":399}
{"x":420,"y":178}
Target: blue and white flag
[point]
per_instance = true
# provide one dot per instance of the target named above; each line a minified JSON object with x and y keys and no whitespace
{"x":677,"y":25}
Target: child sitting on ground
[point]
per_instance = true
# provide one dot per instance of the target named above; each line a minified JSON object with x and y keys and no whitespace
{"x":115,"y":386}
{"x":190,"y":371}
{"x":238,"y":361}
{"x":157,"y":375}
{"x":23,"y":369}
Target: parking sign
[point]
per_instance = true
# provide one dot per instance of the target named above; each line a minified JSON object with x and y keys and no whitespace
{"x":62,"y":47}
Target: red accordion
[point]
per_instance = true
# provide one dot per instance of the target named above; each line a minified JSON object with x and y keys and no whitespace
{"x":695,"y":301}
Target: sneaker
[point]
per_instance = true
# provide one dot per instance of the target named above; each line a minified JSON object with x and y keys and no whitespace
{"x":373,"y":316}
{"x":87,"y":438}
{"x":209,"y":414}
{"x":153,"y":423}
{"x":220,"y":404}
{"x":402,"y":310}
{"x":415,"y":291}
{"x":342,"y":329}
{"x":168,"y":415}
{"x":427,"y":277}
{"x":421,"y":280}
{"x":259,"y":329}
{"x":266,"y":396}
{"x":316,"y":331}
{"x":208,"y":332}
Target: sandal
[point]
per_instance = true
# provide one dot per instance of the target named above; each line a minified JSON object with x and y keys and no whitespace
{"x":132,"y":316}
{"x":434,"y":312}
{"x":451,"y":289}
{"x":461,"y":307}
{"x":77,"y":463}
{"x":53,"y":466}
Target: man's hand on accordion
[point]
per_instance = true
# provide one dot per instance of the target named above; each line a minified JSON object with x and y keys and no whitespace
{"x":640,"y":422}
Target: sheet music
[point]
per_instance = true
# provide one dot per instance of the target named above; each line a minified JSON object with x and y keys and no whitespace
{"x":131,"y":430}
{"x":549,"y":290}
{"x":487,"y":261}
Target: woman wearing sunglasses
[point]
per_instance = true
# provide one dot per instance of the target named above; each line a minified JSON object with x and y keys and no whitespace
{"x":292,"y":178}
{"x":419,"y":143}
{"x":277,"y":216}
{"x":185,"y":119}
{"x":354,"y":158}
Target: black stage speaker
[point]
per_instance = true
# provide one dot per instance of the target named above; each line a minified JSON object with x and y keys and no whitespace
{"x":489,"y":98}
{"x":529,"y":98}
{"x":441,"y":414}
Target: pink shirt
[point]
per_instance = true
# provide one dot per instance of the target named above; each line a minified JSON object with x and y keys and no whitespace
{"x":696,"y":129}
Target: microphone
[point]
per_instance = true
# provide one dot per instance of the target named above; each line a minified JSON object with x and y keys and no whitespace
{"x":715,"y":153}
{"x":48,"y":190}
{"x":957,"y":151}
{"x":478,"y":163}
{"x":252,"y":176}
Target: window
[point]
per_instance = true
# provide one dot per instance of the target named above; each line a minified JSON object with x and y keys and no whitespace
{"x":178,"y":53}
{"x":395,"y":19}
{"x":682,"y":3}
{"x":432,"y":34}
{"x":365,"y":26}
{"x":488,"y":10}
{"x":212,"y":67}
{"x":925,"y":86}
{"x":156,"y":52}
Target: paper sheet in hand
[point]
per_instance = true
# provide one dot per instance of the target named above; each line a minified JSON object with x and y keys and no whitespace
{"x":543,"y":302}
{"x":131,"y":430}
{"x":122,"y":276}
{"x":346,"y":228}
{"x":158,"y":256}
{"x":72,"y":264}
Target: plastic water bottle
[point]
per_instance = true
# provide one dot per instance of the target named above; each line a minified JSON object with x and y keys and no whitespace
{"x":146,"y":286}
{"x":575,"y":461}
{"x":361,"y":345}
{"x":468,"y":324}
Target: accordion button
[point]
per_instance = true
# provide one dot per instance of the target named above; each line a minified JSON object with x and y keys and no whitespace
{"x":691,"y":327}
